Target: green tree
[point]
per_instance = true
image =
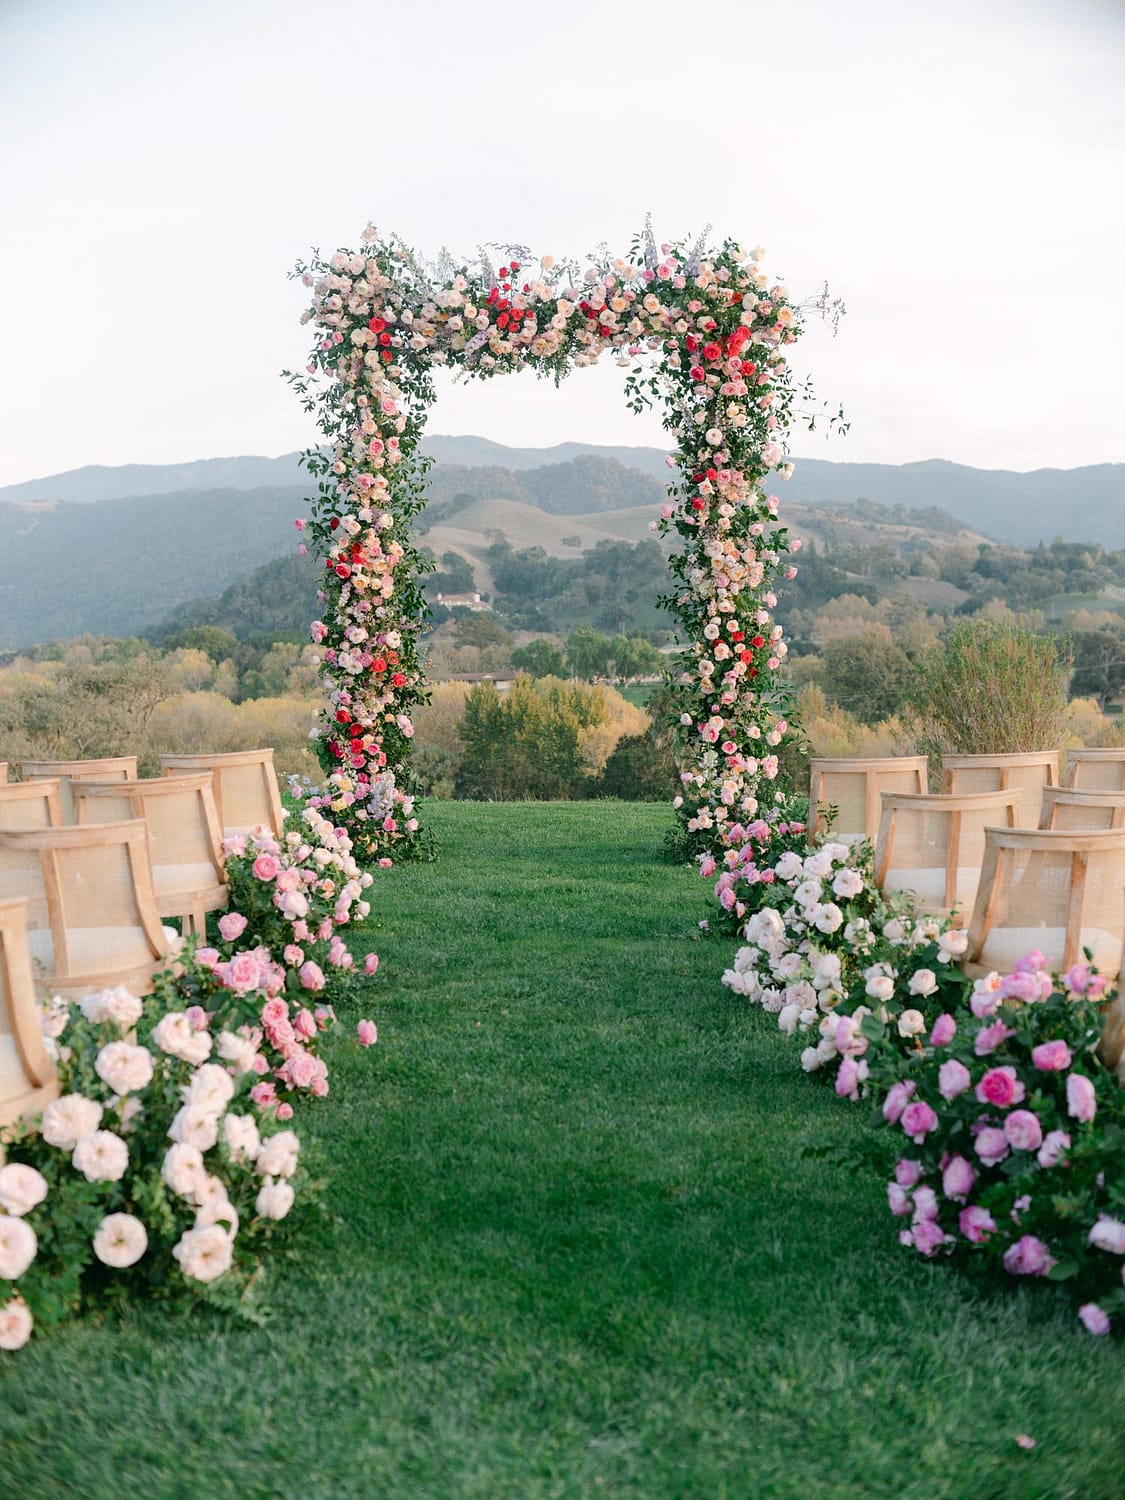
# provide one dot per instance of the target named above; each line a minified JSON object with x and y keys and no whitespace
{"x":1099,"y":665}
{"x":588,"y":652}
{"x":539,"y":658}
{"x":868,"y":675}
{"x":636,"y":656}
{"x":526,"y":743}
{"x":217,"y":642}
{"x":480,"y":628}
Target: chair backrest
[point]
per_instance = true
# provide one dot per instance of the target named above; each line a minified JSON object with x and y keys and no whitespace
{"x":27,"y":1076}
{"x":246,"y":790}
{"x":109,"y":768}
{"x":854,"y":787}
{"x":92,"y":914}
{"x":185,"y":841}
{"x":1059,"y":891}
{"x":31,"y":804}
{"x":3,"y":773}
{"x":933,"y":845}
{"x":1029,"y":773}
{"x":1096,"y":770}
{"x":1073,"y":807}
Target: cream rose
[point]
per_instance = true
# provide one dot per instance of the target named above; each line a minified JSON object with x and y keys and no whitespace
{"x":194,"y":1127}
{"x":15,"y":1324}
{"x":277,"y":1155}
{"x":274,"y":1200}
{"x":241,"y":1137}
{"x":173,"y":1034}
{"x":124,"y":1067}
{"x":101,"y":1157}
{"x":118,"y":1005}
{"x":204,"y":1254}
{"x":211,"y":1089}
{"x":18,"y":1247}
{"x":120,"y":1241}
{"x":183,"y":1169}
{"x":911,"y":1023}
{"x":22,"y":1188}
{"x":237,"y":1050}
{"x":67,"y":1120}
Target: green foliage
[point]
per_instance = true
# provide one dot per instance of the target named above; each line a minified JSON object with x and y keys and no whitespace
{"x":993,"y":689}
{"x":526,"y":743}
{"x":869,"y":676}
{"x":539,"y":659}
{"x":1099,"y":664}
{"x":588,"y":653}
{"x":639,"y":769}
{"x":614,"y":585}
{"x":480,"y":629}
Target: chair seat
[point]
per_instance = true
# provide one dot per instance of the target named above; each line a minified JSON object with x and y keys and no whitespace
{"x":181,"y":889}
{"x":16,"y":1099}
{"x":92,"y":950}
{"x":1004,"y":945}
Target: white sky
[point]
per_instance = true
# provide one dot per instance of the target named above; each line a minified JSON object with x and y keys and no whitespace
{"x":954,"y":169}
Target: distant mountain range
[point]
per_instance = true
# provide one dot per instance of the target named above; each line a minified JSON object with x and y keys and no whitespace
{"x":118,"y":550}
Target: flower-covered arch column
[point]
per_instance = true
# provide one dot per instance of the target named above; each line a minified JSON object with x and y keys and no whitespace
{"x":702,"y":332}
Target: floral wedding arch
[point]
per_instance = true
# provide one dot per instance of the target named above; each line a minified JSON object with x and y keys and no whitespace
{"x":702,"y":332}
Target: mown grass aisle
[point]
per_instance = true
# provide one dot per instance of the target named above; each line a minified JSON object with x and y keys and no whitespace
{"x":575,"y":1250}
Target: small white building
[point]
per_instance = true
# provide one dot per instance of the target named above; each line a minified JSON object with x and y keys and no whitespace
{"x":463,"y":601}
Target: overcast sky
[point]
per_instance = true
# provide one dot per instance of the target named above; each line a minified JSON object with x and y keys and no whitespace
{"x":954,"y":170}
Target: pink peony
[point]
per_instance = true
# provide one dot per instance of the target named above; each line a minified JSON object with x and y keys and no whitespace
{"x":899,"y":1199}
{"x":1051,"y":1152}
{"x":918,"y":1119}
{"x":991,"y":1145}
{"x":1051,"y":1057}
{"x":243,"y":973}
{"x":1001,"y":1087}
{"x":1093,"y":1319}
{"x":371,"y":963}
{"x":928,"y":1236}
{"x":1081,"y":1100}
{"x":945,"y":1029}
{"x":232,"y":925}
{"x":1028,"y":1257}
{"x":1108,"y":1234}
{"x":991,"y":1037}
{"x":976,"y":1222}
{"x":897,"y":1097}
{"x":311,"y":976}
{"x":1023,"y":1131}
{"x":957,"y":1178}
{"x":367,"y":1033}
{"x":304,"y":1024}
{"x":953,"y":1078}
{"x":266,"y":867}
{"x":907,"y":1172}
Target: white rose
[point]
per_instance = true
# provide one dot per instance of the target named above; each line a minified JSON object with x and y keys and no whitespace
{"x":810,"y":1059}
{"x":880,"y":987}
{"x":277,"y":1155}
{"x":787,"y":1019}
{"x":183,"y":1169}
{"x":837,"y":853}
{"x":194,"y":1127}
{"x":847,"y":883}
{"x":911,"y":1023}
{"x":237,"y":1050}
{"x":788,"y":966}
{"x":67,"y":1120}
{"x":923,"y":982}
{"x":211,"y":1189}
{"x":211,"y":1089}
{"x":124,"y":1067}
{"x":952,"y":944}
{"x":119,"y":1005}
{"x":895,"y":930}
{"x":54,"y":1016}
{"x":120,"y":1241}
{"x":173,"y":1034}
{"x":789,"y":865}
{"x":808,"y":893}
{"x":818,"y":865}
{"x":826,"y":1049}
{"x":18,"y":1247}
{"x":204,"y":1254}
{"x":826,"y":969}
{"x":274,"y":1200}
{"x":15,"y":1324}
{"x":101,"y":1157}
{"x":1109,"y":1234}
{"x":218,"y":1211}
{"x":240,"y":1135}
{"x":22,"y":1188}
{"x":827,"y":918}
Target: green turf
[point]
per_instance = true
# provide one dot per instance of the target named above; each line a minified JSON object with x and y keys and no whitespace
{"x":637,"y":693}
{"x":575,"y":1250}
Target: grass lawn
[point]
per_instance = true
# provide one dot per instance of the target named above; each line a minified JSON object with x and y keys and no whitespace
{"x":637,"y":693}
{"x":574,"y":1248}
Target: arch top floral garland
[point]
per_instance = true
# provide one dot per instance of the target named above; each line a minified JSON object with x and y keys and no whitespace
{"x":701,"y":331}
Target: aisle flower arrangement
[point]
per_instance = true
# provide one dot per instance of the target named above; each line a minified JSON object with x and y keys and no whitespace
{"x":702,"y":331}
{"x":150,"y":1173}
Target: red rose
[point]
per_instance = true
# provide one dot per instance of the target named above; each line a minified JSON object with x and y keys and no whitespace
{"x":697,"y":504}
{"x":378,"y":665}
{"x":342,"y":716}
{"x":711,"y":351}
{"x":696,"y":373}
{"x":758,"y":642}
{"x":343,"y":571}
{"x":398,"y":680}
{"x":377,"y":325}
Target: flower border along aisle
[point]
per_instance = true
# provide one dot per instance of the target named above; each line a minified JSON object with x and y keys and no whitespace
{"x":701,"y":331}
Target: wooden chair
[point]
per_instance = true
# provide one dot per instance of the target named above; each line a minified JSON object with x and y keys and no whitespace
{"x":3,"y":773}
{"x":27,"y":1077}
{"x":185,"y":843}
{"x":1060,"y":891}
{"x":1070,"y":807}
{"x":92,"y":917}
{"x":1030,"y":773}
{"x":31,"y":804}
{"x":111,"y":768}
{"x":933,"y":845}
{"x":1112,"y":1046}
{"x":854,"y":788}
{"x":1096,"y":770}
{"x":246,"y":790}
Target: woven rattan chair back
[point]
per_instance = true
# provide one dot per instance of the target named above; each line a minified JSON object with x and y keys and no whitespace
{"x":854,"y":788}
{"x":109,"y":768}
{"x":31,"y":804}
{"x":246,"y":790}
{"x":1028,"y":773}
{"x":27,"y":1076}
{"x":933,"y":845}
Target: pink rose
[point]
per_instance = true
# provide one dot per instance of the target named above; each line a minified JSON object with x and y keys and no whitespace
{"x":1108,"y":1234}
{"x":1051,"y":1057}
{"x":945,"y":1029}
{"x":1051,"y":1152}
{"x":301,"y":932}
{"x":991,"y":1037}
{"x":897,"y":1097}
{"x":260,"y":1064}
{"x":957,"y":1178}
{"x":1093,"y":1319}
{"x":991,"y":1145}
{"x":953,"y":1078}
{"x":1001,"y":1087}
{"x":918,"y":1119}
{"x":928,"y":1236}
{"x":1081,"y":1100}
{"x":907,"y":1172}
{"x":367,"y":1033}
{"x":311,"y":976}
{"x":1023,"y":1131}
{"x":284,"y":1111}
{"x":1078,"y":978}
{"x":231,"y":926}
{"x":371,"y":963}
{"x":1024,"y":985}
{"x":207,"y":957}
{"x":293,"y":955}
{"x":899,"y":1199}
{"x":243,"y":973}
{"x":266,"y":867}
{"x":274,"y":1011}
{"x":849,"y":1076}
{"x":300,"y":1070}
{"x":264,"y":1095}
{"x":196,"y":1017}
{"x":976,"y":1222}
{"x":319,"y":1088}
{"x":925,"y":1203}
{"x":304,"y":1024}
{"x":288,"y":880}
{"x":1028,"y":1257}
